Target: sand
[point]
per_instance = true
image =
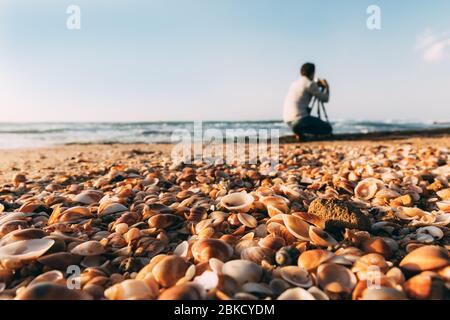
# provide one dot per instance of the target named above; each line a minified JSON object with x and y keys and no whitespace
{"x":60,"y":159}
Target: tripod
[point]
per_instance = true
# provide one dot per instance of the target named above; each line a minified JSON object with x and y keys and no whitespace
{"x":320,"y":108}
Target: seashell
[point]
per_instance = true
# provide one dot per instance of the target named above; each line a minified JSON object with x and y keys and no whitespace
{"x":427,"y":285}
{"x":287,"y":256}
{"x":169,"y":270}
{"x":187,"y":291}
{"x":382,"y":293}
{"x":130,"y":290}
{"x":369,"y":263}
{"x":296,"y":294}
{"x":434,"y":232}
{"x":396,"y":275}
{"x":442,"y":220}
{"x":88,"y":248}
{"x":208,"y":280}
{"x":182,"y":250}
{"x":242,"y":271}
{"x":132,"y":235}
{"x":197,"y":213}
{"x":406,"y":213}
{"x":426,"y":258}
{"x":297,"y":227}
{"x":444,"y":194}
{"x":18,"y":179}
{"x":444,"y":205}
{"x":240,"y":201}
{"x":107,"y":208}
{"x":334,"y":278}
{"x":402,"y":201}
{"x":272,"y":242}
{"x":205,"y":249}
{"x":259,"y":289}
{"x":60,"y":260}
{"x":163,"y":221}
{"x":53,"y":276}
{"x":318,"y":294}
{"x":377,"y":245}
{"x":24,"y":250}
{"x":367,"y":188}
{"x":296,"y":276}
{"x":50,"y":291}
{"x":321,"y":238}
{"x":257,"y":254}
{"x":275,"y":205}
{"x":310,"y":218}
{"x":88,"y":197}
{"x":247,"y":220}
{"x":311,"y":259}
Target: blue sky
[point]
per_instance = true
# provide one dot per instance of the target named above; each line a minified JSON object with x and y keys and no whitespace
{"x":220,"y":59}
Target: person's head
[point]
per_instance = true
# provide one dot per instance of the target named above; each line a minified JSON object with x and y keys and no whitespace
{"x":308,"y":70}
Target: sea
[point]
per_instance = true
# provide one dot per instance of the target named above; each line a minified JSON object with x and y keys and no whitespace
{"x":31,"y":135}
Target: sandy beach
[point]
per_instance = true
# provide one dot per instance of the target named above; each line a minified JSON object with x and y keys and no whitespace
{"x":139,"y":227}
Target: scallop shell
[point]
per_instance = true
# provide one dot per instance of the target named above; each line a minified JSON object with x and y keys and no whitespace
{"x":89,"y":248}
{"x":296,"y":294}
{"x":426,"y":258}
{"x":205,"y":249}
{"x":297,"y":227}
{"x":335,"y":278}
{"x":239,"y":201}
{"x":367,"y":188}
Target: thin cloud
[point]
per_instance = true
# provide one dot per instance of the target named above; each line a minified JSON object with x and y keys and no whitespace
{"x":434,"y":47}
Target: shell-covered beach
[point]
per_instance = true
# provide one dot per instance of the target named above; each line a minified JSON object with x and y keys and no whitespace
{"x":336,"y":220}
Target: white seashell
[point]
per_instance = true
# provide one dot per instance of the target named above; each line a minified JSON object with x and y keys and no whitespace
{"x":89,"y":248}
{"x":216,"y":265}
{"x":296,"y":294}
{"x":435,"y":232}
{"x":208,"y":280}
{"x":25,"y":249}
{"x":242,"y":271}
{"x":367,"y":188}
{"x":239,"y":201}
{"x":182,"y":249}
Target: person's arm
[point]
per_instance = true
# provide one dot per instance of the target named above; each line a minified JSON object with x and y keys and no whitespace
{"x":323,"y":96}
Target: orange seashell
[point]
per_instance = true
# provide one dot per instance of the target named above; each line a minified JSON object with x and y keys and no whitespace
{"x":426,"y":258}
{"x":205,"y":249}
{"x":169,"y":270}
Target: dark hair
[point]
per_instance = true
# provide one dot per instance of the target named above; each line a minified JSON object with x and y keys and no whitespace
{"x":308,"y":69}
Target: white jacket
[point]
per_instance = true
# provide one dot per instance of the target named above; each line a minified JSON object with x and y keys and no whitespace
{"x":299,"y":97}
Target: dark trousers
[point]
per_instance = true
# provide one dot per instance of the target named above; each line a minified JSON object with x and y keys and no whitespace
{"x":311,"y":125}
